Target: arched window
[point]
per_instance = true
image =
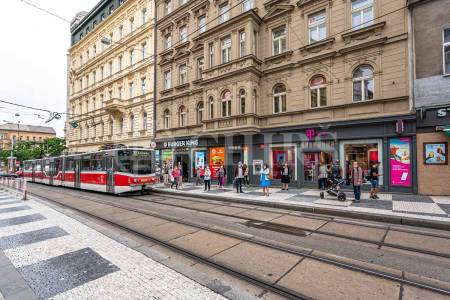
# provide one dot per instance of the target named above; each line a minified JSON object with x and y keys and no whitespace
{"x":225,"y":98}
{"x":255,"y":99}
{"x":318,"y":91}
{"x":131,"y":129}
{"x":211,"y":107}
{"x":200,"y":109}
{"x":144,"y":120}
{"x":183,"y":116}
{"x":279,"y":99}
{"x":242,"y":102}
{"x":363,"y":86}
{"x":167,"y":119}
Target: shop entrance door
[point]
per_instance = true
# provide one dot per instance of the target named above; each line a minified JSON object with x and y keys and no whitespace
{"x":110,"y":174}
{"x":182,"y":161}
{"x":311,"y":164}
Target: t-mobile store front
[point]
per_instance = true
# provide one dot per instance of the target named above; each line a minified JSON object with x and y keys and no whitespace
{"x":389,"y":142}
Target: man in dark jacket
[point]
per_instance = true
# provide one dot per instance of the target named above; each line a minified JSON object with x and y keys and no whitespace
{"x":238,"y":177}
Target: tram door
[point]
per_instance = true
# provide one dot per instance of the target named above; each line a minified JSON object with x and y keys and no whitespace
{"x":51,"y":172}
{"x":109,"y":174}
{"x":33,"y":169}
{"x":77,"y":172}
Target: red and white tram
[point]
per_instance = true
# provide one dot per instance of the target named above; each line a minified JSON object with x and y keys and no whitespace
{"x":114,"y":171}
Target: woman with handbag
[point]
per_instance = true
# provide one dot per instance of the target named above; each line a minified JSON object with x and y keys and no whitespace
{"x":264,"y":180}
{"x":207,"y":179}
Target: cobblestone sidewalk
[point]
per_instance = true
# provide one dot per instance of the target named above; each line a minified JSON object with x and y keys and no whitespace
{"x":422,"y":207}
{"x":60,"y":258}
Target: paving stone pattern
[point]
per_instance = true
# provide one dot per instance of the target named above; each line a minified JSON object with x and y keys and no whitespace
{"x":47,"y":254}
{"x":423,"y":207}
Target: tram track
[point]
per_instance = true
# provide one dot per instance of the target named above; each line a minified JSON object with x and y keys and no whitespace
{"x":293,"y":229}
{"x":235,"y":272}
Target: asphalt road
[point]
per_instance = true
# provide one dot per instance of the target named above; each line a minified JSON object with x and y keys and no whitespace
{"x":306,"y":254}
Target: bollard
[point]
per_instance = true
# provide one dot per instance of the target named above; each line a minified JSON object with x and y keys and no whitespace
{"x":24,"y":186}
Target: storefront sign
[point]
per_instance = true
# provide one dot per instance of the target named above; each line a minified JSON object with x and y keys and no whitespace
{"x":400,"y":161}
{"x":435,"y":153}
{"x":199,"y":160}
{"x":181,"y":143}
{"x":216,"y":159}
{"x":443,"y":112}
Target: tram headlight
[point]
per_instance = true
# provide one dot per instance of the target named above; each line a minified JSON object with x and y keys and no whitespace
{"x":135,"y":180}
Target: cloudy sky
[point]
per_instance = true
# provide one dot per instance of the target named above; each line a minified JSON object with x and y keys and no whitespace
{"x":33,"y":58}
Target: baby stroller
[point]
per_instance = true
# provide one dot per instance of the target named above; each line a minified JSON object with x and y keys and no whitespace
{"x":335,"y":188}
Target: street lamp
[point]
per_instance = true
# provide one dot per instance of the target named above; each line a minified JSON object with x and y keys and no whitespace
{"x":11,"y":167}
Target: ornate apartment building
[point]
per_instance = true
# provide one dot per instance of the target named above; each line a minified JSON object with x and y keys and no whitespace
{"x":304,"y":82}
{"x":111,"y":76}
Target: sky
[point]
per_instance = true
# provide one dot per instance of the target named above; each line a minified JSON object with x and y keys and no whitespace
{"x":33,"y":58}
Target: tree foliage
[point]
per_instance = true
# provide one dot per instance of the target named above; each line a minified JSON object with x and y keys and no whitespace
{"x":26,"y":150}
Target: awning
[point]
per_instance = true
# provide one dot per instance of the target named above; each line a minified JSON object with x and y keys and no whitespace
{"x":446,"y":130}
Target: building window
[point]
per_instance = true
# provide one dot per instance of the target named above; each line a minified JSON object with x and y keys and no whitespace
{"x":166,"y":119}
{"x":87,"y":55}
{"x":167,"y":41}
{"x":241,"y":43}
{"x":226,"y":49}
{"x":131,"y":25}
{"x":94,"y":77}
{"x":201,"y":24}
{"x":94,"y":50}
{"x":446,"y":51}
{"x":167,"y":80}
{"x":362,"y":13}
{"x":255,"y":42}
{"x":144,"y":121}
{"x":183,"y":74}
{"x":102,"y":17}
{"x":120,"y":32}
{"x":363,"y":86}
{"x":200,"y":110}
{"x":225,"y":98}
{"x":131,"y":88}
{"x":183,"y":116}
{"x":183,"y":33}
{"x":279,"y":40}
{"x":182,"y":2}
{"x":279,"y":99}
{"x":241,"y":102}
{"x":200,"y":64}
{"x":121,"y":2}
{"x":110,"y":68}
{"x":167,"y":7}
{"x":143,"y":86}
{"x":317,"y":27}
{"x":132,"y":57}
{"x":120,"y":125}
{"x":318,"y":91}
{"x":211,"y":54}
{"x":119,"y":63}
{"x":144,"y":50}
{"x":131,"y":129}
{"x":102,"y":71}
{"x":247,"y":5}
{"x":144,"y":16}
{"x":211,"y":107}
{"x":119,"y":92}
{"x":255,"y":99}
{"x":110,"y":95}
{"x":224,"y":13}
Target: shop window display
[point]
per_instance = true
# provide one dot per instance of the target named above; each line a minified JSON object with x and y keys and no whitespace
{"x":364,"y":154}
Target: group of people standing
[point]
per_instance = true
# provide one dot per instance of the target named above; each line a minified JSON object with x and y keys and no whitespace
{"x":172,"y":176}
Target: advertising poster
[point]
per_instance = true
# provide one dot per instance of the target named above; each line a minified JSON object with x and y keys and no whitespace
{"x":400,"y":161}
{"x":216,"y":159}
{"x":435,"y":153}
{"x":199,"y":160}
{"x":167,"y":157}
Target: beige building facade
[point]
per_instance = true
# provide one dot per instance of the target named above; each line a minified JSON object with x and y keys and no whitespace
{"x":284,"y":81}
{"x":111,"y":63}
{"x":11,"y":133}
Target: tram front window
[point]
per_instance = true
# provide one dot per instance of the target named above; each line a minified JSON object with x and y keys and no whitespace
{"x":134,"y":161}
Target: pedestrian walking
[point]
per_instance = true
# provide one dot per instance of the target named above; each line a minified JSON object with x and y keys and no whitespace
{"x":246,"y":177}
{"x":221,"y":176}
{"x":323,"y":176}
{"x":175,"y":178}
{"x":356,"y":176}
{"x":264,"y":181}
{"x":285,"y":176}
{"x":157,"y":174}
{"x":373,"y":177}
{"x":238,"y":177}
{"x":207,"y":179}
{"x":180,"y":178}
{"x":166,"y":174}
{"x":198,"y":175}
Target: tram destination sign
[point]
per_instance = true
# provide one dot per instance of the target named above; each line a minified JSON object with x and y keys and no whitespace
{"x":181,"y":143}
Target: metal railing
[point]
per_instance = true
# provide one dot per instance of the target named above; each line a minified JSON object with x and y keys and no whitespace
{"x":16,"y":185}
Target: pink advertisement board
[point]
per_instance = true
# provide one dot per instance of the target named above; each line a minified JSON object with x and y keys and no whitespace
{"x":400,"y":161}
